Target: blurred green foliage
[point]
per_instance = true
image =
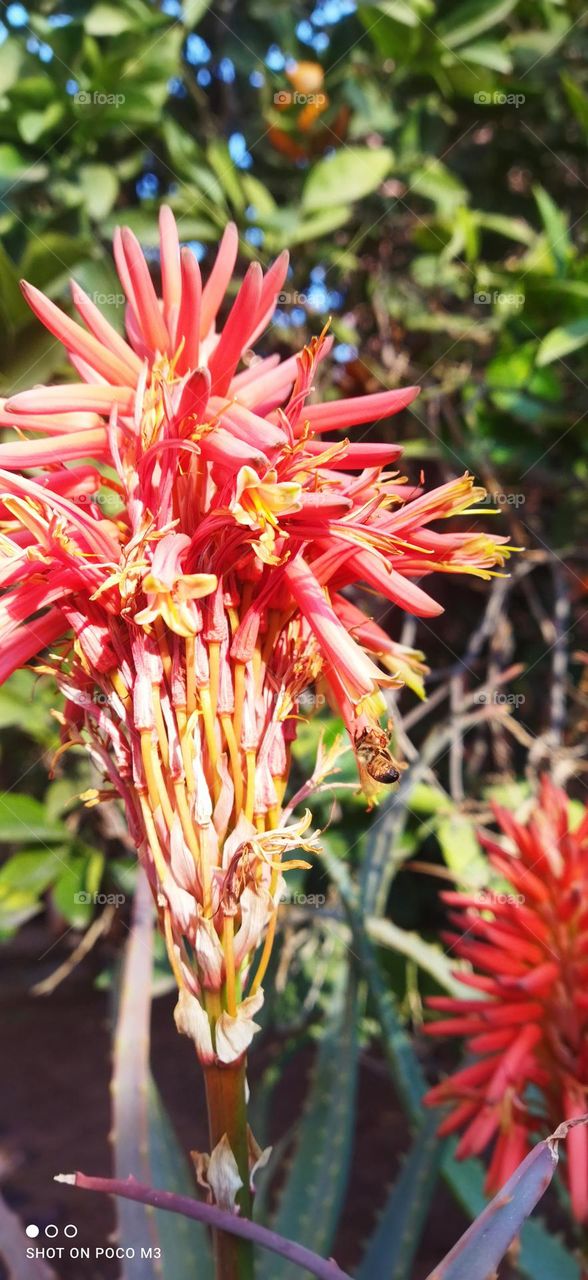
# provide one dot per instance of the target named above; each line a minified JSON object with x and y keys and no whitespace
{"x":425,"y":161}
{"x":434,"y":201}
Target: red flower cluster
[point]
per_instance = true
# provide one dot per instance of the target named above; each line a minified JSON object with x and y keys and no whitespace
{"x":177,"y":526}
{"x":528,"y":946}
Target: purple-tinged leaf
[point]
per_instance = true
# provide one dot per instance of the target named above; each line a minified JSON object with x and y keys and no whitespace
{"x":477,"y":1254}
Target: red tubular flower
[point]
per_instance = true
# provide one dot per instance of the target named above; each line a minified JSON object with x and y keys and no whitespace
{"x":527,"y":1024}
{"x":191,"y":577}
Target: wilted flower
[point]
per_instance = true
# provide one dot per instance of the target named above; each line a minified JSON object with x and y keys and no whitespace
{"x":528,"y":1025}
{"x":184,"y":534}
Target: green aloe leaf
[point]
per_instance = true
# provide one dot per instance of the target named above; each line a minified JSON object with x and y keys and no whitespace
{"x":145,"y":1145}
{"x":393,"y":1246}
{"x":311,"y":1201}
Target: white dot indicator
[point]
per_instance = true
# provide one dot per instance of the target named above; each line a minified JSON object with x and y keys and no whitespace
{"x":32,"y":1230}
{"x":52,"y":1230}
{"x":70,"y":1230}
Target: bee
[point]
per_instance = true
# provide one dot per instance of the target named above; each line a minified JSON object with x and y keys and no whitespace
{"x":374,"y":756}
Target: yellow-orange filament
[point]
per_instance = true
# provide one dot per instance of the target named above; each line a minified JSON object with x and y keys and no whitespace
{"x":230,"y":982}
{"x":190,"y":675}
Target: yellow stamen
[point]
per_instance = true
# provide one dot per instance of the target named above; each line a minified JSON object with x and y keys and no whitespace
{"x":185,"y":747}
{"x":152,"y":837}
{"x":160,"y":726}
{"x":171,"y":948}
{"x":273,"y":816}
{"x":192,"y":842}
{"x":210,"y":735}
{"x":235,"y":759}
{"x":214,"y":664}
{"x":265,"y":955}
{"x":160,"y":634}
{"x":156,"y":787}
{"x":190,"y":676}
{"x":230,"y":984}
{"x":250,"y":796}
{"x":120,"y":687}
{"x":239,"y":680}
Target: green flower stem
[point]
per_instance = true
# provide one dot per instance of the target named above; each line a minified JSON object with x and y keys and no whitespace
{"x":227,"y":1113}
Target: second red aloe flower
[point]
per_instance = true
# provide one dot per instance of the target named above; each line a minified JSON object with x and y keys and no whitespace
{"x":527,"y":1021}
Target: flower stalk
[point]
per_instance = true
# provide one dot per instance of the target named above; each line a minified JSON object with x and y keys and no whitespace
{"x":227,"y":1117}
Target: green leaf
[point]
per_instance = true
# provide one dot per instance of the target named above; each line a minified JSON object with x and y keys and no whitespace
{"x":471,"y":19}
{"x":408,"y":12}
{"x":427,"y":800}
{"x":461,"y":851}
{"x":487,"y":53}
{"x":23,"y":820}
{"x":33,"y":125}
{"x":258,"y":196}
{"x":31,"y":871}
{"x":311,"y":1200}
{"x":345,"y":176}
{"x":405,"y":1068}
{"x":108,"y":20}
{"x":16,"y":170}
{"x":514,"y":228}
{"x":15,"y":909}
{"x":392,"y":1248}
{"x":437,"y":183}
{"x":555,"y":222}
{"x":425,"y":954}
{"x":10,"y":64}
{"x":13,"y":308}
{"x":194,"y":10}
{"x":562,"y":340}
{"x":100,"y":185}
{"x":308,"y":231}
{"x":219,"y":159}
{"x":577,"y":99}
{"x":74,"y":891}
